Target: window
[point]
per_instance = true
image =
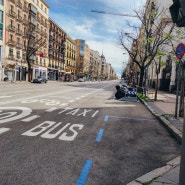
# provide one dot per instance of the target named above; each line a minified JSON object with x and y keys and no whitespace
{"x":24,"y":44}
{"x":1,"y":34}
{"x":10,"y":52}
{"x":24,"y":56}
{"x":11,"y":37}
{"x":18,"y":27}
{"x":18,"y":40}
{"x":1,"y":16}
{"x":11,"y":23}
{"x":2,"y":2}
{"x":18,"y":54}
{"x":11,"y":8}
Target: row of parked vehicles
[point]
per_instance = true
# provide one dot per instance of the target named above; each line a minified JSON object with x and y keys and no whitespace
{"x":124,"y":90}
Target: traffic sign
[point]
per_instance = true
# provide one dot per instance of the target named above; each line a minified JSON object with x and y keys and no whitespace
{"x":180,"y":50}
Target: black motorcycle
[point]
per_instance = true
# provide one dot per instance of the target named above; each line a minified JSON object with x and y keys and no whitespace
{"x":120,"y":92}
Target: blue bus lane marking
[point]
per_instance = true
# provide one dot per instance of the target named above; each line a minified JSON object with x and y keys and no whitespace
{"x":100,"y":134}
{"x":84,"y":173}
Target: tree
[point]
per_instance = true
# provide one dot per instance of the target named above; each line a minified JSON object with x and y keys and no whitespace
{"x":144,"y":42}
{"x":33,"y":41}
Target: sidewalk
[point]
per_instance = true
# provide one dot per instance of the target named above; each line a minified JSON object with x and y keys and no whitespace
{"x":164,"y":110}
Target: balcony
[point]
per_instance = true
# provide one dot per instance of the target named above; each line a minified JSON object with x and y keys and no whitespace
{"x":19,"y":4}
{"x":11,"y":42}
{"x":25,"y":9}
{"x":25,"y":21}
{"x":11,"y":28}
{"x":19,"y":32}
{"x":19,"y":18}
{"x":10,"y":56}
{"x":12,"y":14}
{"x":18,"y":45}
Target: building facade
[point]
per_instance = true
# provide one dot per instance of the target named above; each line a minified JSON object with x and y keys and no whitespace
{"x":2,"y":33}
{"x":57,"y":47}
{"x":70,"y":59}
{"x":82,"y":59}
{"x":21,"y":16}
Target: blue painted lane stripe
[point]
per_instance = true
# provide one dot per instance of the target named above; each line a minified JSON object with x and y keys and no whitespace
{"x":106,"y":118}
{"x":84,"y":173}
{"x":100,"y":134}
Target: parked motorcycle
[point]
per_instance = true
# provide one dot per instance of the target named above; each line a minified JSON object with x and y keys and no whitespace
{"x":120,"y":92}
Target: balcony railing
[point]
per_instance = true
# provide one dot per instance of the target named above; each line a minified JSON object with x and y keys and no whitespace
{"x":19,"y":32}
{"x":11,"y":42}
{"x":19,"y":4}
{"x":19,"y":18}
{"x":11,"y":56}
{"x":11,"y":28}
{"x":12,"y":13}
{"x":25,"y":9}
{"x":18,"y":45}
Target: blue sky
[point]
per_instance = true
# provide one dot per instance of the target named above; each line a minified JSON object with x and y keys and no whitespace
{"x":99,"y":30}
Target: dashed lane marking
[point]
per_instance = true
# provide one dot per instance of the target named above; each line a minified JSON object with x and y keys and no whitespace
{"x":51,"y":109}
{"x":84,"y":173}
{"x":3,"y":130}
{"x":100,"y":134}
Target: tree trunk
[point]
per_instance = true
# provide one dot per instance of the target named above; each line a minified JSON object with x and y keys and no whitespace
{"x":181,"y":106}
{"x":29,"y":70}
{"x":156,"y":87}
{"x":142,"y":69}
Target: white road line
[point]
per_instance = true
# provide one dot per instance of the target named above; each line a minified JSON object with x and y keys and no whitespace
{"x":30,"y":118}
{"x":51,"y":109}
{"x":33,"y":97}
{"x":71,"y":101}
{"x":2,"y":130}
{"x":64,"y":104}
{"x":5,"y":96}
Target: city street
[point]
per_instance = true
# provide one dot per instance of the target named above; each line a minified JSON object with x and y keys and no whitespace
{"x":76,"y":133}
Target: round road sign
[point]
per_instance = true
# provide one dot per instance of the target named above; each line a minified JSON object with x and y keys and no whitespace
{"x":180,"y":50}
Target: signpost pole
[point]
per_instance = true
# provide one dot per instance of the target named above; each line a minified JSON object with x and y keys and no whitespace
{"x":180,"y":51}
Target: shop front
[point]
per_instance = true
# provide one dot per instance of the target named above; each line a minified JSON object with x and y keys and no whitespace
{"x":53,"y":74}
{"x":20,"y":73}
{"x":39,"y":72}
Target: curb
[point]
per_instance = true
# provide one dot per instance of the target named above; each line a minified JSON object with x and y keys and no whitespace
{"x":171,"y":128}
{"x":149,"y":177}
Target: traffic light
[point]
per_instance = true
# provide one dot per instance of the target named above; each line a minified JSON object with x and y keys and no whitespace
{"x":177,"y":10}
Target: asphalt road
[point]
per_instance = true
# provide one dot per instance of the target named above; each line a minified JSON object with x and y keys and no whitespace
{"x":77,"y":134}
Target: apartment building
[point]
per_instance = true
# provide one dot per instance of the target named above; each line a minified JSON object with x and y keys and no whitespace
{"x":2,"y":30}
{"x":70,"y":59}
{"x":103,"y":72}
{"x":57,"y":47}
{"x":20,"y":16}
{"x":95,"y":67}
{"x":82,"y":59}
{"x":167,"y":75}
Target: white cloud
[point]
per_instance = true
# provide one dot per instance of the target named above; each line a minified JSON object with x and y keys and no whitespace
{"x":100,"y":31}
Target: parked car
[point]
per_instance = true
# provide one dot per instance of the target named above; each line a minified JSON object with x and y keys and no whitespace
{"x":6,"y":79}
{"x":81,"y":80}
{"x":40,"y":79}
